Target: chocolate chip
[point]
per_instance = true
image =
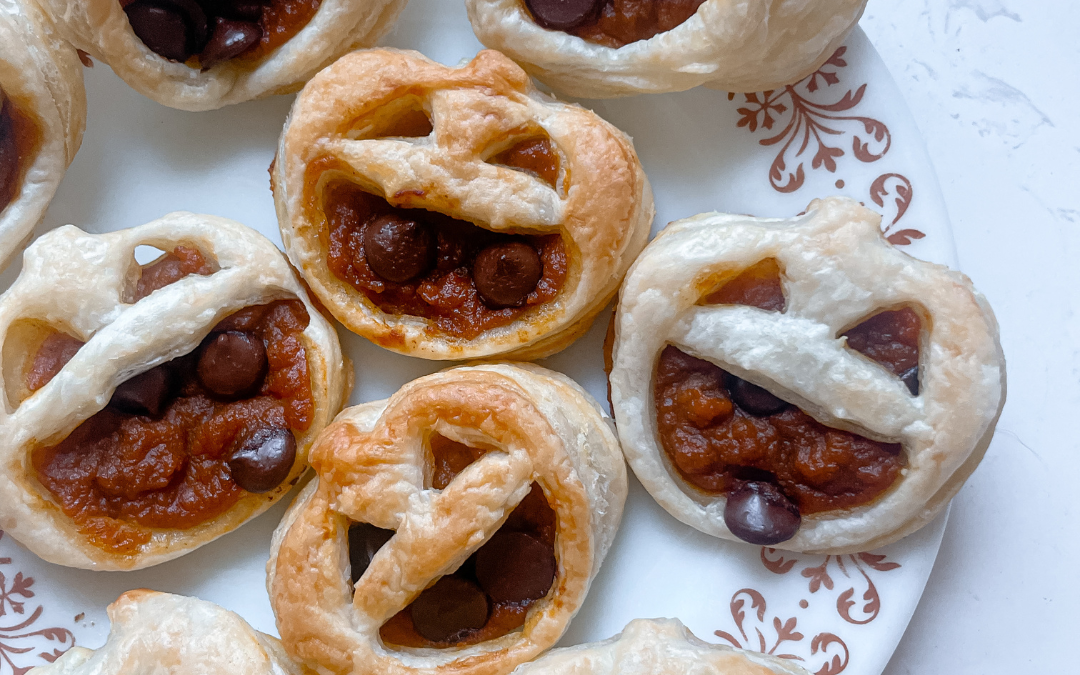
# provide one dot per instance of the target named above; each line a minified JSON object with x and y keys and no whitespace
{"x":265,"y":459}
{"x":229,"y":39}
{"x":506,"y":273}
{"x":753,"y":399}
{"x":147,"y":393}
{"x":760,"y":513}
{"x":398,"y":248}
{"x":9,"y":154}
{"x":365,"y":540}
{"x":449,"y":610}
{"x":232,"y":363}
{"x":910,"y":377}
{"x":174,"y":29}
{"x":515,"y":567}
{"x":562,"y":14}
{"x":238,"y":10}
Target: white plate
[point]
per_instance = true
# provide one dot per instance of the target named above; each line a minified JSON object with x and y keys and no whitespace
{"x":845,"y":130}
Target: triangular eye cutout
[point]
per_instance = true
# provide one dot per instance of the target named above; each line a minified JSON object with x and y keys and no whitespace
{"x":534,"y":155}
{"x":757,"y":286}
{"x":405,"y":117}
{"x":891,"y":338}
{"x":450,"y":459}
{"x":34,"y":352}
{"x":411,"y":123}
{"x":365,"y":540}
{"x":168,"y":268}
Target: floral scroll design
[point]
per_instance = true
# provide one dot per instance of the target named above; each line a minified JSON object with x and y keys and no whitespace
{"x":22,"y":644}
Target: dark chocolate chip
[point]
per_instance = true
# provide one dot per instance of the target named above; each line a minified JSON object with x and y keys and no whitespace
{"x":449,"y":610}
{"x":147,"y":393}
{"x":399,"y":249}
{"x":760,"y":513}
{"x":910,"y":377}
{"x":238,"y":10}
{"x":265,"y":459}
{"x":174,"y":29}
{"x":562,"y":14}
{"x":753,"y":399}
{"x":515,"y":567}
{"x":365,"y":540}
{"x":229,"y":40}
{"x":506,"y":273}
{"x":9,"y":154}
{"x":232,"y":363}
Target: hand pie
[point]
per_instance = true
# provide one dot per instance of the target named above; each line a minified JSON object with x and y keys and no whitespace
{"x":42,"y":116}
{"x":167,"y":634}
{"x":149,"y":409}
{"x":454,"y":528}
{"x":608,"y":48}
{"x":657,"y":647}
{"x":801,"y":383}
{"x":454,"y":213}
{"x":205,"y":54}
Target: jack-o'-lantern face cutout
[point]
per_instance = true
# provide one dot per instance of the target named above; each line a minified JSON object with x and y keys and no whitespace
{"x":150,"y":408}
{"x":456,"y":213}
{"x":801,"y":383}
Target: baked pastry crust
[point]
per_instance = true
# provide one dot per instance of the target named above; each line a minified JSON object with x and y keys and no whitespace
{"x":101,"y":28}
{"x":732,"y":46}
{"x":837,"y":269}
{"x":603,"y":207}
{"x":42,"y":75}
{"x":372,"y":465}
{"x":76,"y":282}
{"x":162,"y":633}
{"x":657,"y":647}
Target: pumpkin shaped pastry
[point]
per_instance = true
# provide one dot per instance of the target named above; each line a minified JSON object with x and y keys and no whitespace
{"x":42,"y":116}
{"x":149,"y":409}
{"x":205,"y":54}
{"x":657,"y":647}
{"x":454,"y":528}
{"x":169,"y":634}
{"x":802,"y":383}
{"x":607,"y":48}
{"x":454,"y":213}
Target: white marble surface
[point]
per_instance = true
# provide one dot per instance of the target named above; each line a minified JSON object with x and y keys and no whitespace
{"x":993,"y":87}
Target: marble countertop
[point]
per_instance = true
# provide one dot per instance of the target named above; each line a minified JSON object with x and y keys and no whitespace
{"x":988,"y":82}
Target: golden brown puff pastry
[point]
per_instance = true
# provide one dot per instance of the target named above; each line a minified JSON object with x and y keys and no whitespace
{"x":42,"y":116}
{"x":465,"y":489}
{"x":103,"y":29}
{"x":143,"y":415}
{"x":865,"y":382}
{"x":733,"y":46}
{"x":510,"y":216}
{"x":657,"y":647}
{"x":169,"y":634}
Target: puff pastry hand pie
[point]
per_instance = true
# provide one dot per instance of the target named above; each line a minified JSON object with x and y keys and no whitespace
{"x":149,"y":409}
{"x":607,"y":48}
{"x":205,"y":54}
{"x":453,"y":213}
{"x":454,"y":528}
{"x":801,"y":383}
{"x":657,"y":647}
{"x":168,"y":634}
{"x":42,"y":116}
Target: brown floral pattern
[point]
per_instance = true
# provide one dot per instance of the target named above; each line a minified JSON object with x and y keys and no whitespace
{"x":24,"y":645}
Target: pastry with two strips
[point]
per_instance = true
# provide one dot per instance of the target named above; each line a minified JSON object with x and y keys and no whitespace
{"x":455,"y":527}
{"x":801,"y":383}
{"x":454,"y":213}
{"x":149,"y":409}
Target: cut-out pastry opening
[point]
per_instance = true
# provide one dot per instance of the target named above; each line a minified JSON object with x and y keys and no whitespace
{"x":204,"y":33}
{"x":34,"y":352}
{"x":365,"y":540}
{"x":534,"y":155}
{"x":163,"y":268}
{"x":405,"y":117}
{"x":760,"y":285}
{"x":463,"y":278}
{"x":891,"y":338}
{"x":179,"y":444}
{"x":612,"y":23}
{"x":490,"y":594}
{"x":20,"y":138}
{"x":772,"y":461}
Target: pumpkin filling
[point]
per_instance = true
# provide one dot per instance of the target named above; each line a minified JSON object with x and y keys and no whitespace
{"x":204,"y":33}
{"x":773,"y":462}
{"x":612,"y":23}
{"x":19,"y":138}
{"x":490,"y":594}
{"x":181,"y":443}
